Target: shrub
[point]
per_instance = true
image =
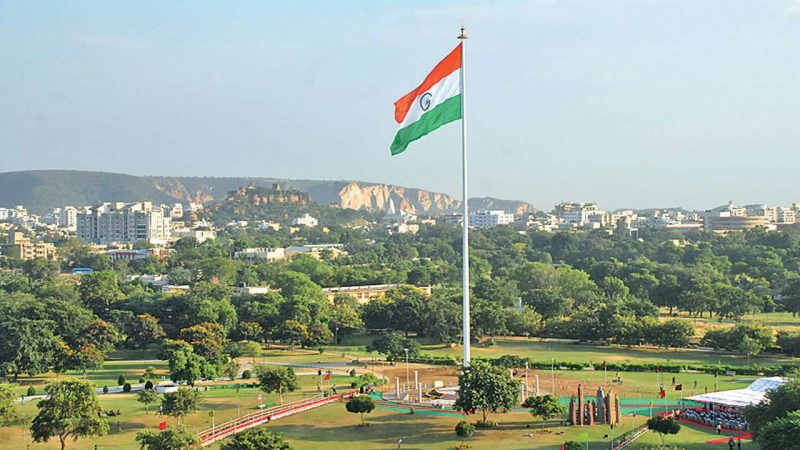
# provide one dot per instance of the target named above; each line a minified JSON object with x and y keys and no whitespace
{"x":31,"y":391}
{"x":464,"y":430}
{"x":352,"y":372}
{"x":105,"y":389}
{"x":126,"y":387}
{"x":246,"y":374}
{"x":484,"y":424}
{"x":121,"y":380}
{"x":148,"y":384}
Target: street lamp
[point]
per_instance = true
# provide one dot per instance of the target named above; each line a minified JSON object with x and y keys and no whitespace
{"x":553,"y":374}
{"x":408,"y":379}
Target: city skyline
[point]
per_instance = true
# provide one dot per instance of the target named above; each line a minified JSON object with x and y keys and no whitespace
{"x":627,"y":104}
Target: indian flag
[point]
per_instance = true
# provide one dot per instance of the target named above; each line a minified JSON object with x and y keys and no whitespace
{"x":435,"y":102}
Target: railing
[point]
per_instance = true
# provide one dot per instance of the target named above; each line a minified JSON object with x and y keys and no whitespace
{"x":630,"y":439}
{"x":256,"y":418}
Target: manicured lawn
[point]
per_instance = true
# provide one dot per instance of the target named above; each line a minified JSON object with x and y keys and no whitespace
{"x":538,"y":350}
{"x":544,"y":350}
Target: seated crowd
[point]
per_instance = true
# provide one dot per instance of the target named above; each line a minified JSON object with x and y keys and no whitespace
{"x":729,"y":419}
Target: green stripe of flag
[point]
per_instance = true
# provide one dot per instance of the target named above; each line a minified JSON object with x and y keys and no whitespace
{"x":443,"y":113}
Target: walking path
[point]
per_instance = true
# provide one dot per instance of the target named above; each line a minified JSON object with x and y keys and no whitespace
{"x":254,"y":419}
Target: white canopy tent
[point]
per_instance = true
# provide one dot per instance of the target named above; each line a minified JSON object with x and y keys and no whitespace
{"x":740,"y":398}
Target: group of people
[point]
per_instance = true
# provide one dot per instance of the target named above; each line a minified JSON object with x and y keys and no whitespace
{"x":109,"y":413}
{"x":729,"y":419}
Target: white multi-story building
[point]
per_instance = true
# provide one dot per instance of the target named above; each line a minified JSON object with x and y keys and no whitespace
{"x":489,"y":219}
{"x":305,"y":220}
{"x":123,"y":222}
{"x":68,"y":218}
{"x":786,"y":215}
{"x":4,"y":214}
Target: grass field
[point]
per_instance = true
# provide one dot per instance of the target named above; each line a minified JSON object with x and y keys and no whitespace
{"x":544,"y":350}
{"x":332,"y":427}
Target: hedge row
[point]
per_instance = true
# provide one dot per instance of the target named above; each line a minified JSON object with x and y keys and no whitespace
{"x":513,"y":361}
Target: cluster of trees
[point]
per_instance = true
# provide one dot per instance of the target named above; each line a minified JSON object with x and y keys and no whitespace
{"x":584,"y":285}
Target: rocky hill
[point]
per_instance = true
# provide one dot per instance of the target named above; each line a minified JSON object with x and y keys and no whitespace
{"x":42,"y":190}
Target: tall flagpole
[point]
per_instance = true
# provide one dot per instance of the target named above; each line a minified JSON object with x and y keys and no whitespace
{"x":465,"y":198}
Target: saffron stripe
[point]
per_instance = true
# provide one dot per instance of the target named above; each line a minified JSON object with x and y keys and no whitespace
{"x":445,"y":67}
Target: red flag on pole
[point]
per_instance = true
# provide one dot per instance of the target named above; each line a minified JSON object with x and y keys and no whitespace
{"x":162,"y":426}
{"x":662,"y":393}
{"x":327,"y":377}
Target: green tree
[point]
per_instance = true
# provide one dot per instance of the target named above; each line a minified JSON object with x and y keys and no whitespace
{"x":28,"y":346}
{"x":144,"y":330}
{"x":750,"y":347}
{"x":179,"y":438}
{"x":207,"y":339}
{"x":147,"y":397}
{"x":360,"y":404}
{"x":180,"y":403}
{"x":345,"y":319}
{"x":544,"y":406}
{"x":40,"y":269}
{"x":277,"y":379}
{"x":673,"y":333}
{"x":783,"y":433}
{"x":256,"y":439}
{"x":250,"y":331}
{"x":99,"y":291}
{"x":8,"y":406}
{"x":572,"y":445}
{"x":392,"y":346}
{"x":486,"y":388}
{"x":187,"y":366}
{"x":68,"y":411}
{"x":663,"y":426}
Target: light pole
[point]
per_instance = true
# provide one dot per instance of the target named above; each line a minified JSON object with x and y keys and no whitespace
{"x":399,"y":443}
{"x":553,"y":374}
{"x":408,"y":379}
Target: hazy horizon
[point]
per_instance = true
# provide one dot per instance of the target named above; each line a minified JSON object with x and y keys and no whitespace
{"x":637,"y":104}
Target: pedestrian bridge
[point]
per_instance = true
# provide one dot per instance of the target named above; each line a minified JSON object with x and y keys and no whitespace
{"x":257,"y":418}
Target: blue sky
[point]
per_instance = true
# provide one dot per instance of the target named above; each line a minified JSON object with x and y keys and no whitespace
{"x":627,"y":103}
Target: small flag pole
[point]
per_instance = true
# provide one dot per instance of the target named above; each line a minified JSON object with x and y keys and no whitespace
{"x":465,"y":240}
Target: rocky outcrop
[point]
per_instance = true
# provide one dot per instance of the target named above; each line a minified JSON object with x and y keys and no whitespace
{"x":375,"y":197}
